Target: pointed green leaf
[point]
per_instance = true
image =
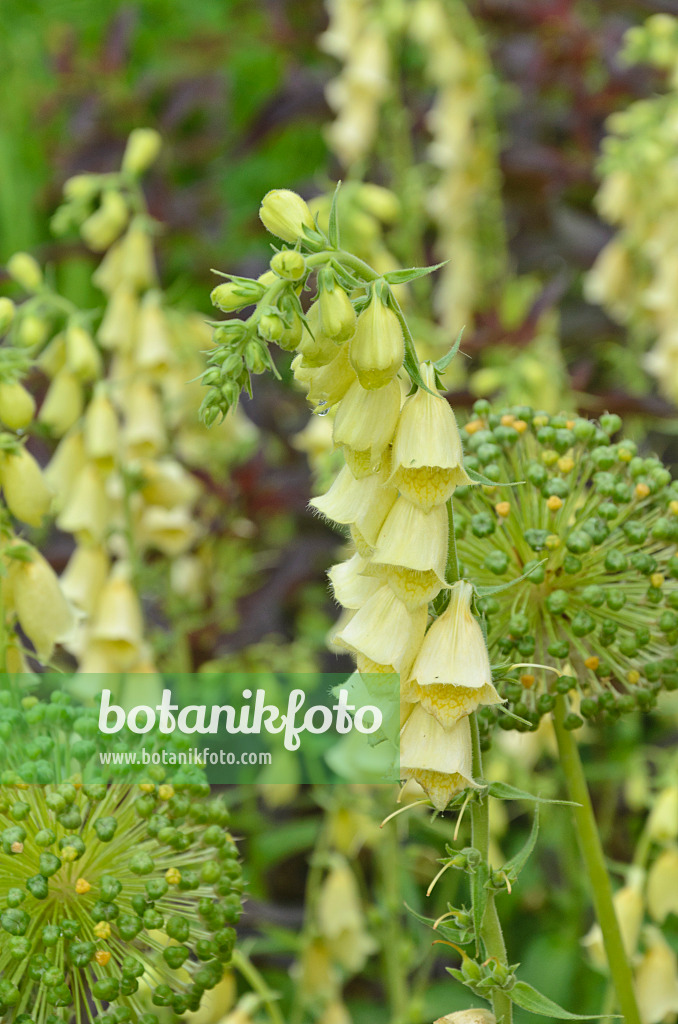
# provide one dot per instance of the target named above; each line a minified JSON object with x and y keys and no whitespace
{"x":333,"y":230}
{"x":502,"y":791}
{"x":410,"y":273}
{"x":528,"y":998}
{"x":496,"y":588}
{"x":515,"y":865}
{"x":478,"y":478}
{"x":445,"y":931}
{"x":442,"y":363}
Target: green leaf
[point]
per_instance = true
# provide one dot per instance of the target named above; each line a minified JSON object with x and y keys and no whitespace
{"x":478,"y":478}
{"x":515,"y":865}
{"x":333,"y":229}
{"x":444,"y":930}
{"x":502,"y":791}
{"x":410,"y":273}
{"x":528,"y":998}
{"x":442,"y":363}
{"x":496,"y":588}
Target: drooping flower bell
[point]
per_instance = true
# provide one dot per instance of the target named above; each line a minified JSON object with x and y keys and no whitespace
{"x":439,"y":759}
{"x":377,"y":348}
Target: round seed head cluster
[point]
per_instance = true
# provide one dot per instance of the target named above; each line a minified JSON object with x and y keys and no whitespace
{"x":116,"y":898}
{"x":595,"y":525}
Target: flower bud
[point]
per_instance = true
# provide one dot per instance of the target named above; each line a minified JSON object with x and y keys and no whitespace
{"x":6,"y":313}
{"x":285,"y":215}
{"x":41,"y":608}
{"x":337,"y":315}
{"x":154,"y":345}
{"x":377,"y":348}
{"x":63,"y":403}
{"x":31,"y":330}
{"x":289,"y":264}
{"x":82,"y":356}
{"x":143,"y":146}
{"x":25,"y":270}
{"x":104,"y":225}
{"x":439,"y":759}
{"x":451,"y":674}
{"x":17,"y":406}
{"x":27,"y":495}
{"x":315,"y":346}
{"x":232,"y":295}
{"x":81,"y":187}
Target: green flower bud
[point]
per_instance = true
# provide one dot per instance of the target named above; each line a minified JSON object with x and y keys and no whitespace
{"x":25,"y":270}
{"x":285,"y":214}
{"x":236,"y":294}
{"x":143,"y":146}
{"x":289,"y":264}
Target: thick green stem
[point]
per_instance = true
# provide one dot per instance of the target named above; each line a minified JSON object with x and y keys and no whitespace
{"x":388,"y":854}
{"x":491,"y":933}
{"x":592,"y":851}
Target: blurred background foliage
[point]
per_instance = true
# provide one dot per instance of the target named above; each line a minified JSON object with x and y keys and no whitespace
{"x":238,"y":92}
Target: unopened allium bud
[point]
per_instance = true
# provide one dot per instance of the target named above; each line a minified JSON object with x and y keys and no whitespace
{"x":427,"y":459}
{"x":6,"y":313}
{"x":337,"y":315}
{"x":285,"y":214}
{"x":24,"y":487}
{"x":288,"y":264}
{"x":41,"y":608}
{"x":143,"y":146}
{"x":439,"y":759}
{"x":17,"y":406}
{"x":377,"y":348}
{"x":25,"y":270}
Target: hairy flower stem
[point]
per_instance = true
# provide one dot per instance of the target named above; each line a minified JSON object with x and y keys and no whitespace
{"x":491,"y":932}
{"x":592,"y":851}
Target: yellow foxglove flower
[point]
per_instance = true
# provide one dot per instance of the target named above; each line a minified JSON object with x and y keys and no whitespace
{"x":117,"y":629}
{"x":285,"y":214}
{"x":26,"y":491}
{"x":411,"y":552}
{"x":187,"y":576}
{"x":143,"y":146}
{"x":366,"y":420}
{"x":439,"y":759}
{"x":86,"y":513}
{"x":377,"y":348}
{"x":427,"y":460}
{"x":101,"y":431}
{"x":17,"y":406}
{"x":65,"y":465}
{"x":170,"y":530}
{"x":327,"y":384}
{"x":138,"y":258}
{"x":451,"y":674}
{"x":316,"y":347}
{"x":216,"y":1003}
{"x":315,"y":975}
{"x":41,"y":608}
{"x":104,"y":225}
{"x":474,"y":1016}
{"x":341,"y":920}
{"x":118,"y":330}
{"x":82,"y":356}
{"x":384,"y":631}
{"x":52,"y":359}
{"x":629,"y":908}
{"x":662,"y":886}
{"x":144,"y":429}
{"x":657,"y":981}
{"x":364,"y":502}
{"x":154,"y":345}
{"x":662,"y":824}
{"x":351,"y":587}
{"x":63,"y":403}
{"x":83,"y":578}
{"x":167,"y":483}
{"x":337,"y":315}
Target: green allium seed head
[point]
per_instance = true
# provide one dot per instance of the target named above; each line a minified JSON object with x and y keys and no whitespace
{"x":602,"y":607}
{"x":119,"y":896}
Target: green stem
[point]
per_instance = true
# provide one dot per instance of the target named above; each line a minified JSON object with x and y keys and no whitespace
{"x":490,"y":933}
{"x":388,"y":853}
{"x":244,"y":965}
{"x":452,"y":567}
{"x":594,"y":859}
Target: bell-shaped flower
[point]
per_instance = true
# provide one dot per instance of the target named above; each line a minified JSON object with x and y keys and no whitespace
{"x":27,"y":493}
{"x":169,"y":530}
{"x":629,"y":908}
{"x":144,"y":431}
{"x":17,"y":405}
{"x":427,"y":462}
{"x":662,"y":823}
{"x":656,"y":979}
{"x":384,"y":631}
{"x":411,"y":552}
{"x":352,"y":588}
{"x":62,"y":471}
{"x":167,"y":483}
{"x":154,"y":346}
{"x":83,"y":578}
{"x":327,"y":384}
{"x":117,"y":629}
{"x":41,"y":608}
{"x":439,"y":759}
{"x":364,"y":502}
{"x":366,"y":420}
{"x":316,"y":346}
{"x":86,"y":513}
{"x":377,"y":348}
{"x":101,"y":431}
{"x":63,"y":403}
{"x":118,"y":328}
{"x":82,"y":356}
{"x":341,"y":919}
{"x":451,"y":674}
{"x":662,"y":886}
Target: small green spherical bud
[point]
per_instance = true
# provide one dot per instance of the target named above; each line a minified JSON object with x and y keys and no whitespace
{"x":15,"y":896}
{"x":536,"y":572}
{"x":579,"y":542}
{"x":289,"y":264}
{"x":141,"y":863}
{"x":483,"y":524}
{"x":497,"y":562}
{"x":545,"y":703}
{"x":109,"y":888}
{"x":582,"y":624}
{"x":176,"y":956}
{"x":45,"y":837}
{"x":105,"y":829}
{"x":178,"y":928}
{"x":162,"y":995}
{"x":557,"y":601}
{"x":230,"y":296}
{"x":106,"y":989}
{"x":81,"y":953}
{"x":153,"y":919}
{"x":559,"y":649}
{"x":49,"y":864}
{"x":129,"y":926}
{"x":15,"y":921}
{"x":589,"y":707}
{"x":19,"y":810}
{"x":616,"y":599}
{"x":615,"y":561}
{"x":572,"y":722}
{"x":593,"y":596}
{"x":536,"y":539}
{"x":50,"y":935}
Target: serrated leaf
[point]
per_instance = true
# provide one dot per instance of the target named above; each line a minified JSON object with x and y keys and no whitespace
{"x":478,"y":478}
{"x":410,"y":273}
{"x":528,"y":998}
{"x":496,"y":588}
{"x":503,"y":791}
{"x":333,"y":229}
{"x":442,"y":363}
